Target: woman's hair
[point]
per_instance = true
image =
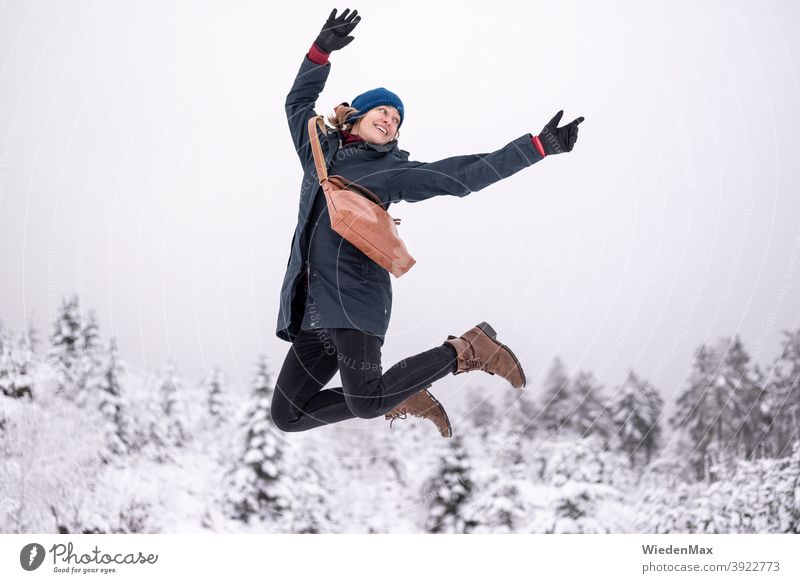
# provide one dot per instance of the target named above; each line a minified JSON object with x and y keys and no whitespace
{"x":340,"y":113}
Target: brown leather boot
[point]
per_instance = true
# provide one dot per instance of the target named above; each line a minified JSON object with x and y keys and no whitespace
{"x":478,"y":349}
{"x":424,"y":405}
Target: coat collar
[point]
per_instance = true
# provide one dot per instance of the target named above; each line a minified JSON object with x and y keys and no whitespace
{"x":390,"y":147}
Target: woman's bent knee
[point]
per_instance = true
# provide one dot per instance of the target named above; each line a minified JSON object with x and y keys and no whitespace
{"x":284,"y":422}
{"x":363,"y":408}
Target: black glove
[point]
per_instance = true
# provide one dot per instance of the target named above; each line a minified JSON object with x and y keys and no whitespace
{"x":556,"y":140}
{"x":334,"y":34}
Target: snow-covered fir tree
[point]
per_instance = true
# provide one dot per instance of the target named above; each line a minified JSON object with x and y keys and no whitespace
{"x":217,"y":404}
{"x":174,"y":424}
{"x":499,"y":508}
{"x":759,"y":496}
{"x":481,"y":413}
{"x":309,"y":511}
{"x":91,"y":367}
{"x":112,"y":406}
{"x":695,"y":412}
{"x":32,"y":335}
{"x":66,"y":347}
{"x":519,"y":412}
{"x":582,"y":490}
{"x":668,"y":509}
{"x":782,"y":402}
{"x":589,"y":416}
{"x":719,"y":413}
{"x":90,"y":333}
{"x":75,"y":351}
{"x":635,"y":409}
{"x":557,"y":405}
{"x":15,"y":365}
{"x":449,"y":491}
{"x":257,"y":485}
{"x":501,"y":483}
{"x":745,"y":400}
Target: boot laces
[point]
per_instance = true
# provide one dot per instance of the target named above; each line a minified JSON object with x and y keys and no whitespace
{"x":403,"y":414}
{"x":395,"y":415}
{"x":475,"y":363}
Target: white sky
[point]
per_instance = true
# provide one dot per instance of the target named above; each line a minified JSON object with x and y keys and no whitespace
{"x":145,"y":162}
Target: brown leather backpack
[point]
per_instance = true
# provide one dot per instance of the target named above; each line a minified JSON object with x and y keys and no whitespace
{"x":358,"y":215}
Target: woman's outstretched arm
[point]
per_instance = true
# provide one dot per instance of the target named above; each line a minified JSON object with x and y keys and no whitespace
{"x":460,"y":175}
{"x":311,"y":78}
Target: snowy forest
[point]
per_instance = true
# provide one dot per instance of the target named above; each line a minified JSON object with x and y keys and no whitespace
{"x":88,"y":445}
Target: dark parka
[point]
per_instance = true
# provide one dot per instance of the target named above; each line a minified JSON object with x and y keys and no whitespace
{"x":346,"y":289}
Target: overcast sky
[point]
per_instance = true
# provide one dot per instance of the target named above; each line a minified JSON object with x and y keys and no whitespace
{"x":146,"y":163}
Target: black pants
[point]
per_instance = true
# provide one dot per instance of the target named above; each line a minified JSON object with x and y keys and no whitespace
{"x":300,"y":402}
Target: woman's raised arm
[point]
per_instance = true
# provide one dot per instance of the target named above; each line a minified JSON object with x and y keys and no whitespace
{"x":311,"y":78}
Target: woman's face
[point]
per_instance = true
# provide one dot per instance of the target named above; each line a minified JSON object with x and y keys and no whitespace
{"x":379,"y":124}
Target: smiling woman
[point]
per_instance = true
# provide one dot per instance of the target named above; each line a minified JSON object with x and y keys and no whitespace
{"x":381,"y":122}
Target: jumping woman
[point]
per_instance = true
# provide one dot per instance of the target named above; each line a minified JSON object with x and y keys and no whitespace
{"x":336,"y":302}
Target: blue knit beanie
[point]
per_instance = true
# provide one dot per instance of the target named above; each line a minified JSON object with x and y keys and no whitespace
{"x":373,"y":98}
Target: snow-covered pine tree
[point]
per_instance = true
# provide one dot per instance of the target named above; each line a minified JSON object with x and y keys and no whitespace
{"x":500,"y":495}
{"x":310,"y":511}
{"x":758,"y":496}
{"x":449,"y":491}
{"x":590,"y":416}
{"x":75,"y":351}
{"x":719,"y":414}
{"x":782,"y":403}
{"x":695,"y":413}
{"x":66,"y":347}
{"x":174,"y":426}
{"x":91,"y":366}
{"x":257,"y":482}
{"x":669,"y":509}
{"x":519,"y":413}
{"x":635,"y":409}
{"x":15,"y":365}
{"x":90,"y":333}
{"x":32,"y":335}
{"x":112,"y":406}
{"x":582,"y":492}
{"x":745,"y":400}
{"x":557,"y":405}
{"x":217,"y":405}
{"x":787,"y":492}
{"x":480,"y":412}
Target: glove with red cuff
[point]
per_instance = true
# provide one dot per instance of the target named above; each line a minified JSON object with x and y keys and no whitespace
{"x":556,"y":140}
{"x":334,"y":35}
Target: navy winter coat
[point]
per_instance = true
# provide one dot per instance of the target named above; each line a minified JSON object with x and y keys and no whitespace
{"x":346,"y":289}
